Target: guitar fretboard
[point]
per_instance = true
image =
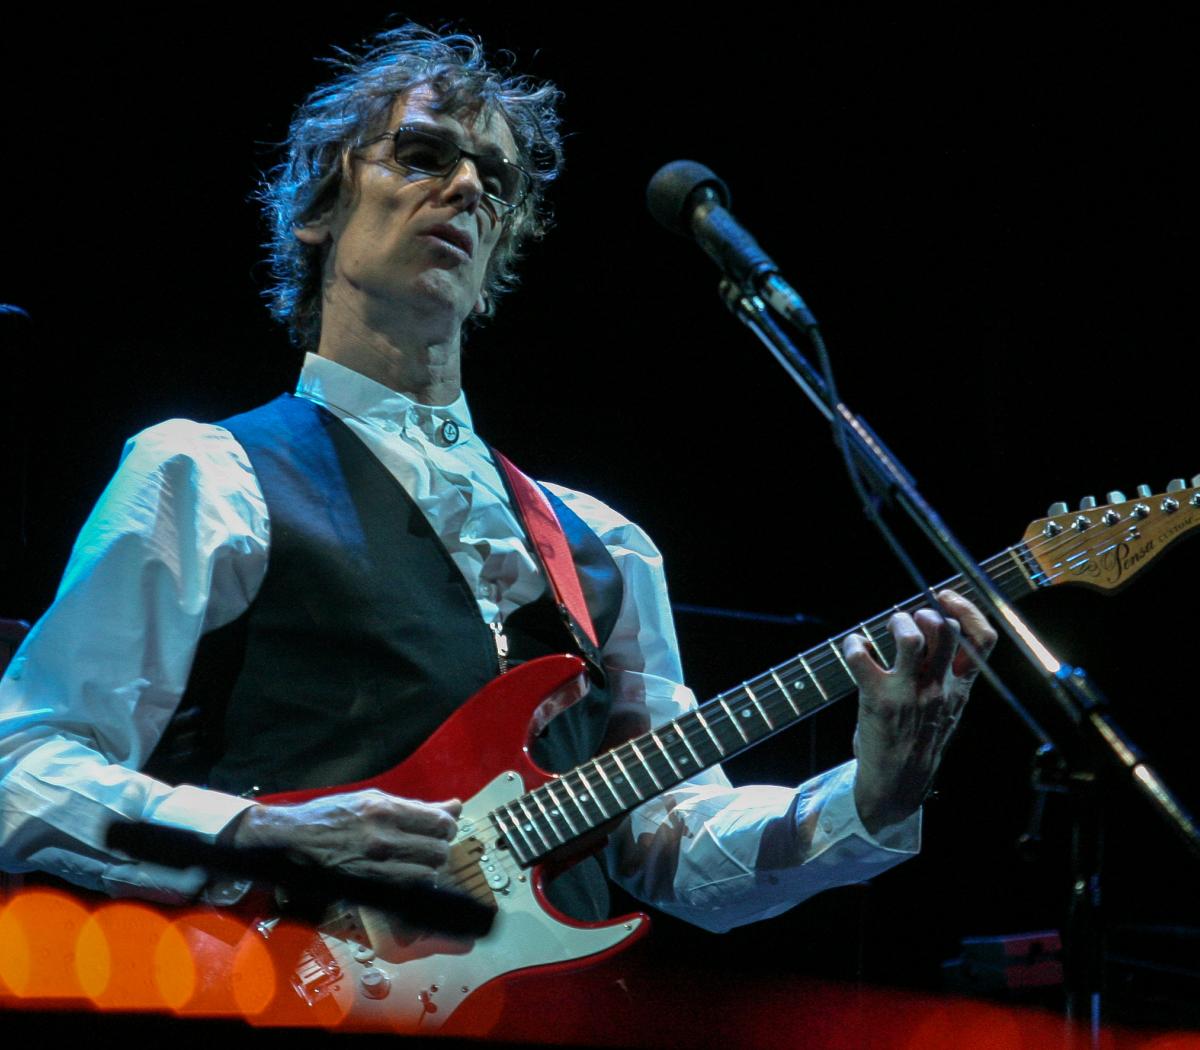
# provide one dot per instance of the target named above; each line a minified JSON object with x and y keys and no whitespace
{"x":555,"y":816}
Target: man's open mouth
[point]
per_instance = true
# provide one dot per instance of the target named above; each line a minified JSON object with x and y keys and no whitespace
{"x":453,"y":236}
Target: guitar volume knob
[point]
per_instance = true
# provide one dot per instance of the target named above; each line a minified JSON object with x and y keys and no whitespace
{"x":375,"y":983}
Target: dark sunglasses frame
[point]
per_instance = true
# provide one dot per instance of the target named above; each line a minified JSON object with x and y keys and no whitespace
{"x":485,"y":163}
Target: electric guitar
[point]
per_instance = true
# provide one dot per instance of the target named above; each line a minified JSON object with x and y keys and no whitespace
{"x":517,"y":817}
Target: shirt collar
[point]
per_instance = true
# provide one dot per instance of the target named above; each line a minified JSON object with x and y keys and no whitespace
{"x":352,"y":393}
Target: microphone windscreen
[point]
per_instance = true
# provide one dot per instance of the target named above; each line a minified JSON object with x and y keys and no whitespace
{"x":669,"y":193}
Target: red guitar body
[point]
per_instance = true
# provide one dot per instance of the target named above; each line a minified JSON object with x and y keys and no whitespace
{"x":382,"y":976}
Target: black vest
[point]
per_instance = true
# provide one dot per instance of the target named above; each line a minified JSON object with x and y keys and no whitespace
{"x":364,"y":636}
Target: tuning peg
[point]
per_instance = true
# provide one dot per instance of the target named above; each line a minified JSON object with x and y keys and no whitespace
{"x":1196,"y":480}
{"x":1116,"y":496}
{"x":1056,"y":509}
{"x":1087,"y":503}
{"x":1144,"y":491}
{"x":1175,"y":484}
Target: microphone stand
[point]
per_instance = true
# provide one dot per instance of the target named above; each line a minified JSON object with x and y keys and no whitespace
{"x":1089,"y":730}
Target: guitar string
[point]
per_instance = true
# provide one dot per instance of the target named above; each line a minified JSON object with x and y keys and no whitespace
{"x":719,"y":716}
{"x":1009,"y":564}
{"x":1041,"y":549}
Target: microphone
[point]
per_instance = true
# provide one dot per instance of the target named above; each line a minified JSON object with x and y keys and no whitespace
{"x":689,"y":199}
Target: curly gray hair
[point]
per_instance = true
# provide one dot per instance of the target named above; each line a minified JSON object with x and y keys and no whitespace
{"x":341,"y":114}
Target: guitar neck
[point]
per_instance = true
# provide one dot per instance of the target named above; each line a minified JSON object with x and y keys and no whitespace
{"x":573,"y":807}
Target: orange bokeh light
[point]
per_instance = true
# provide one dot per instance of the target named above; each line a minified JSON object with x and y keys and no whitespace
{"x":253,"y":979}
{"x":115,"y":956}
{"x":274,"y":1002}
{"x":38,"y":931}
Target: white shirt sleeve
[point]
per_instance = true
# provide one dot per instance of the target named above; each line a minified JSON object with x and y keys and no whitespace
{"x":706,"y":852}
{"x":176,"y":546}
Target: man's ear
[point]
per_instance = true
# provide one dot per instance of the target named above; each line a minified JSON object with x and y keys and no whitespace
{"x":318,"y":230}
{"x":315,"y":232}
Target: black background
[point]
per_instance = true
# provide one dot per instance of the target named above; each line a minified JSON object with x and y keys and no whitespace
{"x":989,"y":210}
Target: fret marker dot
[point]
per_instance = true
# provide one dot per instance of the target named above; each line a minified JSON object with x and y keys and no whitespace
{"x":746,"y":713}
{"x":528,"y":827}
{"x":797,"y":685}
{"x":584,"y":798}
{"x":684,"y":760}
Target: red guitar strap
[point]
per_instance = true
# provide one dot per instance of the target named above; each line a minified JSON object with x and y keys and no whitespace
{"x":546,"y":534}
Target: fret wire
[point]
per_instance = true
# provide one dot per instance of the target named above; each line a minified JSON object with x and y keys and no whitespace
{"x":716,"y":743}
{"x":578,"y":805}
{"x":561,"y":808}
{"x":533,"y":823}
{"x":883,"y":660}
{"x":608,"y":783}
{"x":733,"y":719}
{"x":666,"y":754}
{"x":592,"y":791}
{"x":754,"y":701}
{"x":798,"y":682}
{"x":786,"y":695}
{"x":625,"y":774}
{"x":837,"y":651}
{"x":645,"y":765}
{"x":813,"y":677}
{"x":886,"y":635}
{"x":688,"y":744}
{"x":549,"y":820}
{"x":776,"y":710}
{"x":511,"y":835}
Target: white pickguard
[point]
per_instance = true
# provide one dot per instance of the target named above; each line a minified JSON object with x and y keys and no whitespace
{"x":405,"y":982}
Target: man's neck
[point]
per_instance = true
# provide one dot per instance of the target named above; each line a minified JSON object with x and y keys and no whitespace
{"x":428,"y":373}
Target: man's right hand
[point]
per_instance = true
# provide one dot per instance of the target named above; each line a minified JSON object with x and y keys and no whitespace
{"x":365,"y":833}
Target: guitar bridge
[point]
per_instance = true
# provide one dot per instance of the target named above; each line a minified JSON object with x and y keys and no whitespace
{"x":316,"y":974}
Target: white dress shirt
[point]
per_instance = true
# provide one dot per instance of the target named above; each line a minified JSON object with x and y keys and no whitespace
{"x":178,"y":546}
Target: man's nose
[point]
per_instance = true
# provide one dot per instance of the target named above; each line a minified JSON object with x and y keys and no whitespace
{"x":463,"y":185}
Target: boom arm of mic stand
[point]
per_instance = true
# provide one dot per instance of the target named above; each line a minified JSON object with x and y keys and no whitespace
{"x":1073,"y":692}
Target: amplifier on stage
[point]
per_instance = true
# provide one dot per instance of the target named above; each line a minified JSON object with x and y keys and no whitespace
{"x":1014,"y":962}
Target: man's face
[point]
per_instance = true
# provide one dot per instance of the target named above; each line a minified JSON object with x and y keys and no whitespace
{"x":405,"y":246}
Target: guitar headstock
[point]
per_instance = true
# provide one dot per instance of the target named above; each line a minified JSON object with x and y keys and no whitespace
{"x":1104,"y":546}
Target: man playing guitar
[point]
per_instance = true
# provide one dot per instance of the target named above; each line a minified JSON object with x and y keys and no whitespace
{"x":299,"y":596}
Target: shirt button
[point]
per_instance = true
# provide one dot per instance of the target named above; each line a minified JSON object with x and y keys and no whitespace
{"x":827,"y":824}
